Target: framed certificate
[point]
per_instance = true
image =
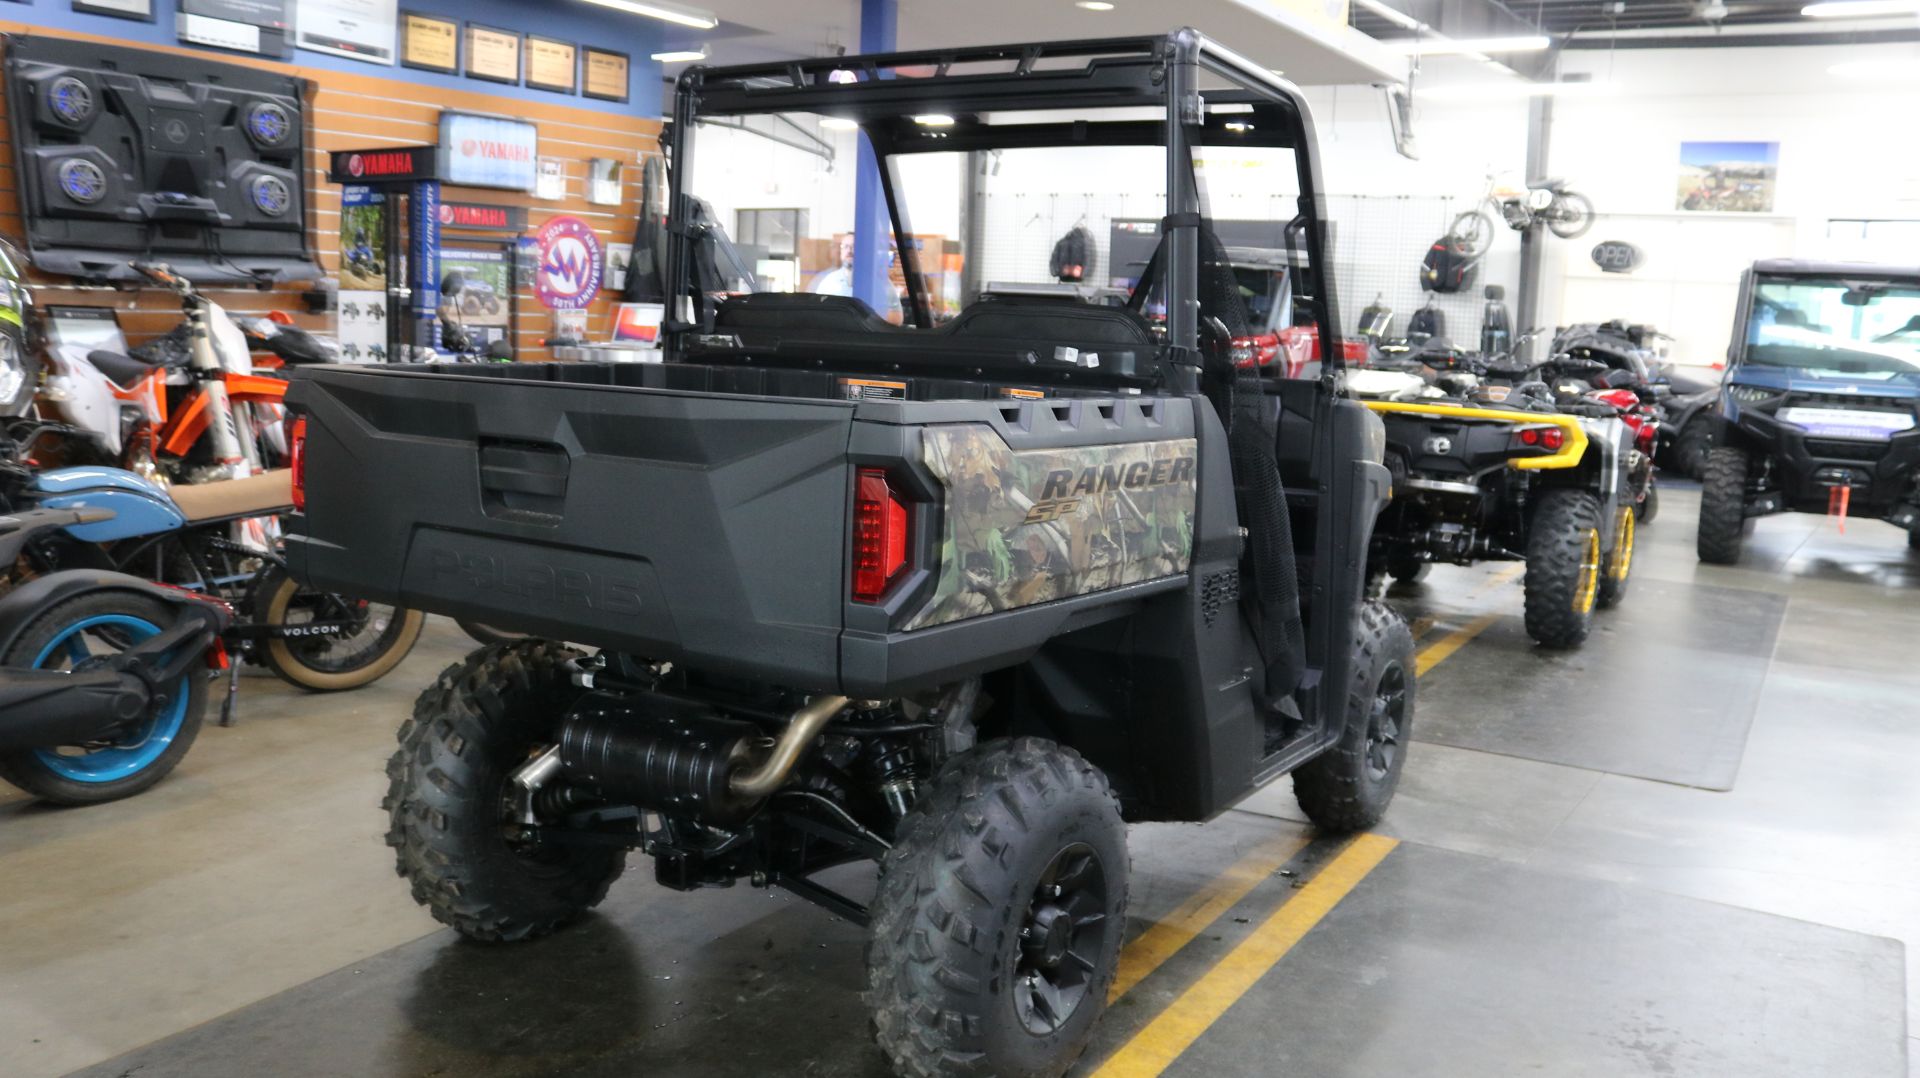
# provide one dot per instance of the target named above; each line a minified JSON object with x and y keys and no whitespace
{"x":356,"y":29}
{"x":493,"y":55}
{"x":430,"y":43}
{"x":119,"y":9}
{"x":552,"y":65}
{"x":606,"y":75}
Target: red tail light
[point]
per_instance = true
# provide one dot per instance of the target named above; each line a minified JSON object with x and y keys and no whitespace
{"x":1258,"y":351}
{"x":297,"y":452}
{"x":1543,"y":437}
{"x":880,"y":526}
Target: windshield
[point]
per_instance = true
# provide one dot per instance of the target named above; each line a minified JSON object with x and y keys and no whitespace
{"x":1032,"y":223}
{"x":1828,"y":328}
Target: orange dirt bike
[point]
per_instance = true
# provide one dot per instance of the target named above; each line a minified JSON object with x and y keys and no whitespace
{"x":196,"y":415}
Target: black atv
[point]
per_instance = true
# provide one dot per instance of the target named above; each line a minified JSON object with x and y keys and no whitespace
{"x":1682,"y":401}
{"x":1820,"y":412}
{"x":1498,"y":460}
{"x":959,"y":598}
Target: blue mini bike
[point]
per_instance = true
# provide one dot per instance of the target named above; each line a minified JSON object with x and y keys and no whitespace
{"x":103,"y":676}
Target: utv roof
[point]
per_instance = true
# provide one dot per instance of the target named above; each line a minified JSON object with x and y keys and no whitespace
{"x":1846,"y":271}
{"x":969,"y":81}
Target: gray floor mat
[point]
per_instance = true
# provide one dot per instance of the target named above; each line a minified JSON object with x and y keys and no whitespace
{"x":1667,"y":687}
{"x":1452,"y":966}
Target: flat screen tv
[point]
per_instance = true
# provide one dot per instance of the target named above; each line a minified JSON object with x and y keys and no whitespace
{"x":124,"y":154}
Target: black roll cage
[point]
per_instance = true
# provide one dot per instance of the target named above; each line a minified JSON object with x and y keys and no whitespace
{"x":882,"y":92}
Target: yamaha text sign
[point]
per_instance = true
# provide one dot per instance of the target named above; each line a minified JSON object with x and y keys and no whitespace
{"x":488,"y":151}
{"x":482,"y":216}
{"x":387,"y":164}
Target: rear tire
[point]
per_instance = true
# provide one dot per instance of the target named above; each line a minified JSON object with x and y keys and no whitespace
{"x":998,"y":921}
{"x":1348,"y":787}
{"x":1688,"y":454}
{"x":1563,"y":568}
{"x":446,"y":799}
{"x":302,"y":662}
{"x":1913,"y":540}
{"x":1723,"y":505}
{"x":148,"y":751}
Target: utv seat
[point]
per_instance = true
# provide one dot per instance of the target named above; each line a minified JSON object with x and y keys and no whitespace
{"x":1037,"y":319}
{"x":763,"y":318}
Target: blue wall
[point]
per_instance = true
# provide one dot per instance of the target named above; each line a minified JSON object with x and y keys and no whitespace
{"x":568,"y":20}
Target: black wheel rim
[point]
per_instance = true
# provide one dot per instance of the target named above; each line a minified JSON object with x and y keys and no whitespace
{"x":1063,"y":938}
{"x":1386,"y":722}
{"x":370,"y":631}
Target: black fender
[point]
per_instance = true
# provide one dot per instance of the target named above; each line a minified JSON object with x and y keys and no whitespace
{"x":23,"y":527}
{"x":1683,"y":410}
{"x":21,"y":605}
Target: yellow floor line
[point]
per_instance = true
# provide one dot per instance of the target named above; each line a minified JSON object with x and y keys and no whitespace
{"x":1155,"y":1048}
{"x":1437,"y":652}
{"x":1163,"y":939}
{"x":1166,"y":936}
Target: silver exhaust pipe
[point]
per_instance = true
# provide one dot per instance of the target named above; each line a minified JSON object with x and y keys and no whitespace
{"x":806,"y":724}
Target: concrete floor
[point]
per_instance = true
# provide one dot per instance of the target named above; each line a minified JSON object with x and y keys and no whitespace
{"x":1558,"y":902}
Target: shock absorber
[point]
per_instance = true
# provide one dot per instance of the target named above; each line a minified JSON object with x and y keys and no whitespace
{"x":894,"y":772}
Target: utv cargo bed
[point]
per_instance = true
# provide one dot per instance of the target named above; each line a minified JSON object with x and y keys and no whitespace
{"x":678,"y":513}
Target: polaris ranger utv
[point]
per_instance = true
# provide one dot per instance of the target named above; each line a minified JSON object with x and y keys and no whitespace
{"x":1820,"y":410}
{"x":961,"y":598}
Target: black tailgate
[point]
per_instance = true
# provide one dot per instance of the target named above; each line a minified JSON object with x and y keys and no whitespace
{"x":683,"y":526}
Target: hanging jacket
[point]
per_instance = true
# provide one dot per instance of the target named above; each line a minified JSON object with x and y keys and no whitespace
{"x":1072,"y":255}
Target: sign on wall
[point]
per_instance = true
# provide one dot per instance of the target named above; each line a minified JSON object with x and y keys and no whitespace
{"x":357,"y":29}
{"x":606,"y":75}
{"x":1616,"y":256}
{"x":493,"y":55}
{"x":382,"y":165}
{"x":551,"y":65}
{"x":1727,"y":177}
{"x":568,"y":270}
{"x":482,"y":216}
{"x":488,"y":151}
{"x":429,"y":43}
{"x":119,"y":9}
{"x":363,"y":238}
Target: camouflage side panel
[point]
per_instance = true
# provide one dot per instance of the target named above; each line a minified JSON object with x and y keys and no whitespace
{"x":1035,"y":525}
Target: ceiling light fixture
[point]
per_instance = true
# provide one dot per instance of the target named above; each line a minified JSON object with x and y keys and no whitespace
{"x":1094,"y":5}
{"x":1859,"y":9}
{"x":838,"y":123}
{"x":673,"y":13}
{"x":934,"y":119}
{"x":1449,"y":46}
{"x":678,"y":57}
